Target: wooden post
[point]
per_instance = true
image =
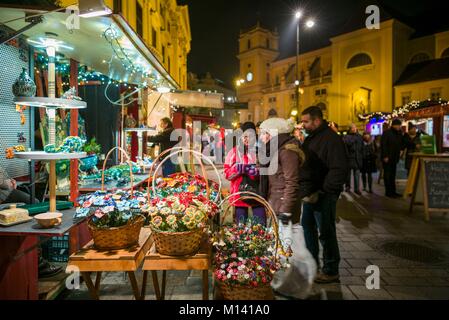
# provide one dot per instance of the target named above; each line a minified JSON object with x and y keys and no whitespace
{"x":52,"y":182}
{"x":74,"y":132}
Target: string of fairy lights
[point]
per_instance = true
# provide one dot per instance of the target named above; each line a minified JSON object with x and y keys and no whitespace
{"x":404,"y":110}
{"x":149,"y":77}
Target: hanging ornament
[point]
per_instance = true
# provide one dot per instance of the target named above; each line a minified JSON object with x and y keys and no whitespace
{"x":24,"y":85}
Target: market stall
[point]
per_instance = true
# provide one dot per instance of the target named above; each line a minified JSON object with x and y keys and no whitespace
{"x":119,"y":57}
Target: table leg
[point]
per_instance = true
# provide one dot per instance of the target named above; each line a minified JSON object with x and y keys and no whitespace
{"x":144,"y":284}
{"x":97,"y":281}
{"x":132,"y":278}
{"x":90,"y":285}
{"x":164,"y":282}
{"x":156,"y":285}
{"x":205,"y":284}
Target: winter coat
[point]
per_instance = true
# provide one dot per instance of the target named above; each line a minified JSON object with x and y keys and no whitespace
{"x":391,"y":145}
{"x":163,"y":139}
{"x":354,"y":147}
{"x":233,"y":158}
{"x":369,"y":158}
{"x":282,"y":188}
{"x":411,"y":145}
{"x":326,"y":165}
{"x":5,"y":185}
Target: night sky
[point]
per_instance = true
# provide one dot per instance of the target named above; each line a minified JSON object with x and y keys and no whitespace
{"x":216,"y":25}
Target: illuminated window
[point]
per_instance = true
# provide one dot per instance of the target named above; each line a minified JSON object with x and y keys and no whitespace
{"x":359,"y":60}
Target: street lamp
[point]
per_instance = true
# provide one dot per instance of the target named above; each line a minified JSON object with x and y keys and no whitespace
{"x":309,"y":24}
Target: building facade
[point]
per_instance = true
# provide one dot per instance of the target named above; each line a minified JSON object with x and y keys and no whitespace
{"x":164,"y":26}
{"x":361,"y":71}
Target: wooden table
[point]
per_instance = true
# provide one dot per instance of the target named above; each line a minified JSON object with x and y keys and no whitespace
{"x":155,"y":261}
{"x":19,"y":255}
{"x":89,"y":260}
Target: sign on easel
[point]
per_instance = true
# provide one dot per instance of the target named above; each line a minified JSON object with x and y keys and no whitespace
{"x":431,"y":187}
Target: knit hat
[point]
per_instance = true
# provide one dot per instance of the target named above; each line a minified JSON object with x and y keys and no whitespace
{"x":277,"y":126}
{"x":396,"y":122}
{"x":248,"y":126}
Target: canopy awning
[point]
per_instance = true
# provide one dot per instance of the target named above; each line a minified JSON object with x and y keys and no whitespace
{"x":195,"y":99}
{"x":107,"y":44}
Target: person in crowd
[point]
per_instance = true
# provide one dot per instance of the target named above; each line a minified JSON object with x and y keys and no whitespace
{"x":165,"y":142}
{"x":298,"y":133}
{"x":321,"y":181}
{"x":10,"y":194}
{"x":354,"y":146}
{"x":241,"y":169}
{"x":377,"y":149}
{"x":369,"y":162}
{"x":280,"y":182}
{"x":272,"y":114}
{"x":412,"y":140}
{"x":392,"y":144}
{"x":334,"y":126}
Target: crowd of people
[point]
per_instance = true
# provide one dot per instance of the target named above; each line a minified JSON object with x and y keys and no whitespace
{"x":315,"y":164}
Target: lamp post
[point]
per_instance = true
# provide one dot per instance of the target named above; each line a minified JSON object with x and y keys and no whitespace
{"x":309,"y":24}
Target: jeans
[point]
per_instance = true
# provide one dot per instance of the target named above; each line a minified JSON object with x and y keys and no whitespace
{"x":241,"y":214}
{"x":168,"y":168}
{"x":18,"y":196}
{"x":356,"y":174}
{"x":390,"y":178}
{"x":318,"y":221}
{"x":369,"y":177}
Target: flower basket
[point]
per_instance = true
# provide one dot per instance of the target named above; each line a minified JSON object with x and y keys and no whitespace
{"x":186,"y":178}
{"x":239,"y":292}
{"x":178,"y":243}
{"x":246,"y":255}
{"x":115,"y":217}
{"x":117,"y":238}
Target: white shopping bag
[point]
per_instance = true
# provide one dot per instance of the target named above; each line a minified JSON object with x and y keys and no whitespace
{"x":296,"y":280}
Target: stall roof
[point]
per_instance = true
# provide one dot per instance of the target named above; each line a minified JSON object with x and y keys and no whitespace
{"x":194,"y":99}
{"x":100,"y":43}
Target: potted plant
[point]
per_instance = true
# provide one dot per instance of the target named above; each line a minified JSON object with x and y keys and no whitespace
{"x":179,"y":222}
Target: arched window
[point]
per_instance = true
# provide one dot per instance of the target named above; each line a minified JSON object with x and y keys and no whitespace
{"x":445,"y":53}
{"x":359,"y":60}
{"x":420,"y":57}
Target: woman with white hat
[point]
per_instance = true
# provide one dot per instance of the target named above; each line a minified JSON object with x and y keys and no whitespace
{"x":280,"y":180}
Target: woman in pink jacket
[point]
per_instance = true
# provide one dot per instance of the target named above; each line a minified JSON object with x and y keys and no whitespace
{"x":240,"y":168}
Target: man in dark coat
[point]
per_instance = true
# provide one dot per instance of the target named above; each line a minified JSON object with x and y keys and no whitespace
{"x":165,"y":143}
{"x":354,"y":146}
{"x":392,"y":144}
{"x":321,"y":181}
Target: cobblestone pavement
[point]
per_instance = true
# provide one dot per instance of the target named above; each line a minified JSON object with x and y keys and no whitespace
{"x":412,"y":255}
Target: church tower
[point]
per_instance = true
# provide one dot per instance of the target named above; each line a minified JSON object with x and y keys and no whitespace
{"x":258,"y":48}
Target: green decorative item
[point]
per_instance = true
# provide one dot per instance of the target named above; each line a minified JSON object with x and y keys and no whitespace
{"x":92,"y":148}
{"x":69,"y":145}
{"x":428,"y":144}
{"x":24,"y":85}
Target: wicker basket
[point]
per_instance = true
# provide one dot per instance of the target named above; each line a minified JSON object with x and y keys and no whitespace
{"x":178,"y":243}
{"x":245,"y":293}
{"x":241,"y":292}
{"x":117,"y":238}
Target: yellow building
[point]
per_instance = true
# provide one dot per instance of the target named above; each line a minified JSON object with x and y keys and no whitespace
{"x":163,"y":26}
{"x":360,"y":72}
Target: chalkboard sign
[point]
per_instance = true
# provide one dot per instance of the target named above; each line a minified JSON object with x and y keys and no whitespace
{"x":436,"y":184}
